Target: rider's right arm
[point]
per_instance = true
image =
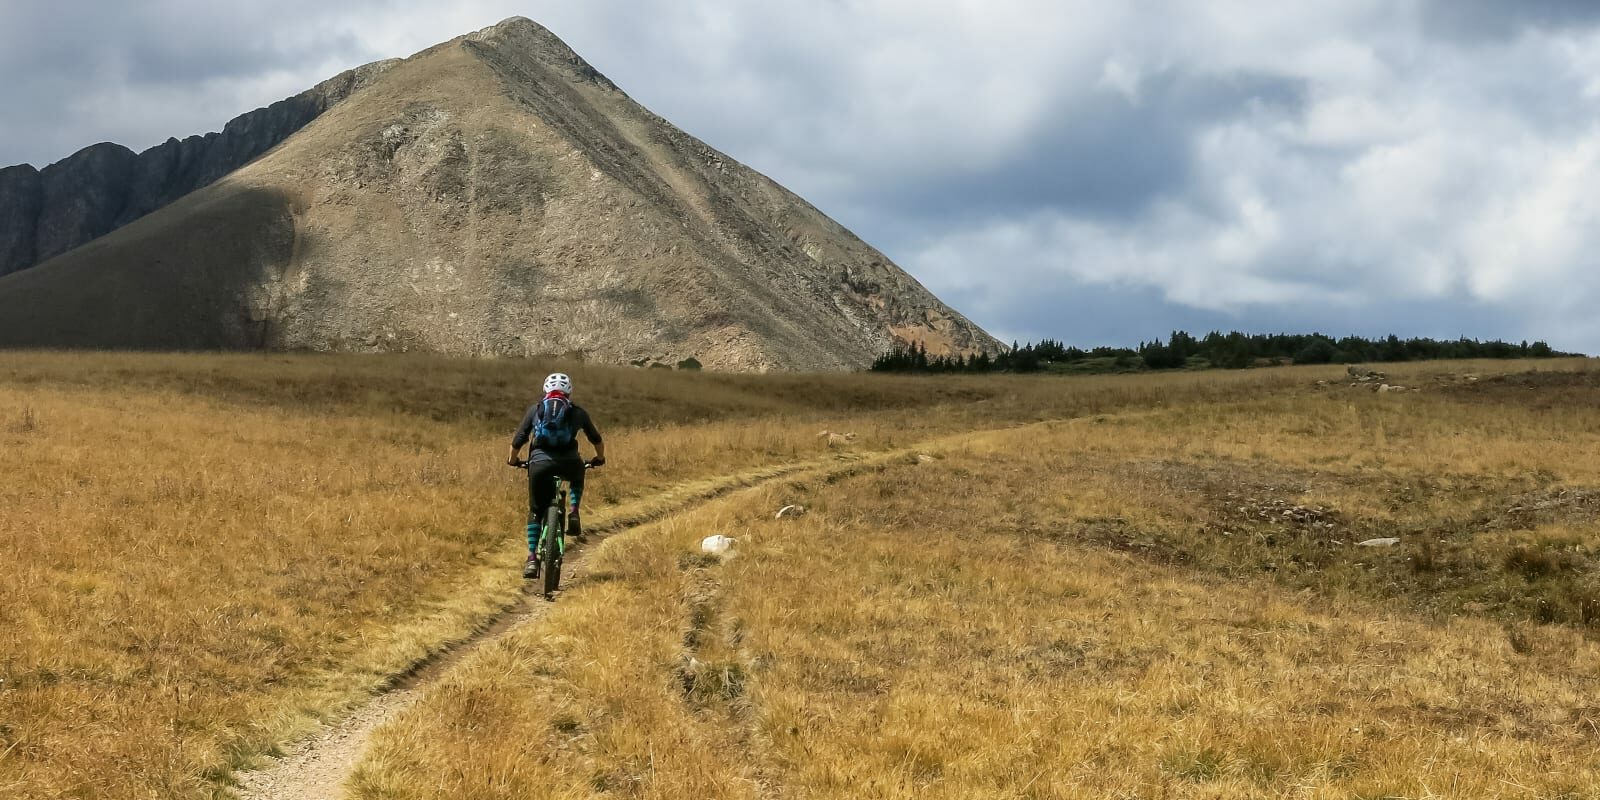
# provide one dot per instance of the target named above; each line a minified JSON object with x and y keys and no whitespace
{"x":520,"y":438}
{"x":524,"y":431}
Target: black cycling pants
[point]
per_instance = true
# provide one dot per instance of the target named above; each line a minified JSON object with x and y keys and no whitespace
{"x":542,"y":474}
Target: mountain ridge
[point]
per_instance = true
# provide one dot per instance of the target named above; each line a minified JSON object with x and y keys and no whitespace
{"x":104,"y":186}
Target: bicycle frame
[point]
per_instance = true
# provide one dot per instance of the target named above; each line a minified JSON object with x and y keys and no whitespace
{"x":563,"y":494}
{"x":555,"y":518}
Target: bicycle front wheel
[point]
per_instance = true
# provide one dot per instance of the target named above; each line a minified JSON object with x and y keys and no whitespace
{"x":554,"y":522}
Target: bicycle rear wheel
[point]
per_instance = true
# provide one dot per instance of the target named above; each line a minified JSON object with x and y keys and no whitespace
{"x":554,"y":522}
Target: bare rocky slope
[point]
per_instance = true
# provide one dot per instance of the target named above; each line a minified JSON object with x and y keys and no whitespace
{"x":496,"y":196}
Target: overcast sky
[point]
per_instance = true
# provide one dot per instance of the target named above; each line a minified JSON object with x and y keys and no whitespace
{"x":1095,"y":172}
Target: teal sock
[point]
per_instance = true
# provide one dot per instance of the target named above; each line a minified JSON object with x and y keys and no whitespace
{"x":533,"y":536}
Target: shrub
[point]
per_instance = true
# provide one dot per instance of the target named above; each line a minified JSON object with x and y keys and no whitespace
{"x":1158,"y":356}
{"x":1537,"y":562}
{"x":1319,"y":351}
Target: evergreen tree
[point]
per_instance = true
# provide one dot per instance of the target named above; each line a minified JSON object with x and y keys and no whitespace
{"x":1233,"y":350}
{"x":1319,"y":351}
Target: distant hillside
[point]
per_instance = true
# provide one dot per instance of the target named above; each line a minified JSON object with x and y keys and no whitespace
{"x":496,"y":196}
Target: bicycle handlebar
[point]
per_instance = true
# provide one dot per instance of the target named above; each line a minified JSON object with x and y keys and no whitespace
{"x":586,"y":465}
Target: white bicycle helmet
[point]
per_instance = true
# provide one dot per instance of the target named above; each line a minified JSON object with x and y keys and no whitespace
{"x":558,"y":382}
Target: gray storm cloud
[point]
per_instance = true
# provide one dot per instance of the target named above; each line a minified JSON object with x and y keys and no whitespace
{"x":1091,"y":171}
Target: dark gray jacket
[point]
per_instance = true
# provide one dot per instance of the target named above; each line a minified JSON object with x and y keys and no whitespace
{"x":580,"y":420}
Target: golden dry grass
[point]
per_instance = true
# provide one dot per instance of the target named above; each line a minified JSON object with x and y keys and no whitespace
{"x":1055,"y":611}
{"x":479,"y":393}
{"x":205,"y":553}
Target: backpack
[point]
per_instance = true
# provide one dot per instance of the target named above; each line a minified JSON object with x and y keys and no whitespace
{"x":552,"y":424}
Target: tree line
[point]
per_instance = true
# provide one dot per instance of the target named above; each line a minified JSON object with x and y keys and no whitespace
{"x":1232,"y":350}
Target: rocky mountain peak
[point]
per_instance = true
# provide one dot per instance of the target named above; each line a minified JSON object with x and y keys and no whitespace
{"x":491,"y":196}
{"x":529,"y":39}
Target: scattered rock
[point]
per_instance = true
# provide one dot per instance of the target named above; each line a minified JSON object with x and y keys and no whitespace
{"x":837,"y":439}
{"x":1572,"y":504}
{"x":1390,"y":541}
{"x":1274,"y":512}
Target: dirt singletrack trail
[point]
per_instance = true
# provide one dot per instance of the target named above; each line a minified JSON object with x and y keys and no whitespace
{"x":316,"y":767}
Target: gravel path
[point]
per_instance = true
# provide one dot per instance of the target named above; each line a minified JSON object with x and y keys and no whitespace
{"x":316,"y":767}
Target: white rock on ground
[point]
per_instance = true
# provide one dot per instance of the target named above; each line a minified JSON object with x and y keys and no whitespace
{"x":717,"y":545}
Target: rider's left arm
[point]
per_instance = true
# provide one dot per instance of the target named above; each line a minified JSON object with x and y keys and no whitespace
{"x":593,"y":434}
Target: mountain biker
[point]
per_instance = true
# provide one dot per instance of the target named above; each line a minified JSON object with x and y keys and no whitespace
{"x":550,"y":428}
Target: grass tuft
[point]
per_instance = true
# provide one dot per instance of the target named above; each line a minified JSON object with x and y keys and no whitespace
{"x":1198,"y":766}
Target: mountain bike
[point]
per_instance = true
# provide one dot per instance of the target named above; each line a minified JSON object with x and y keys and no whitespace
{"x":553,"y":548}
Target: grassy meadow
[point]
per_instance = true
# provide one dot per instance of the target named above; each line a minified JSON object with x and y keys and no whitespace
{"x":1110,"y":586}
